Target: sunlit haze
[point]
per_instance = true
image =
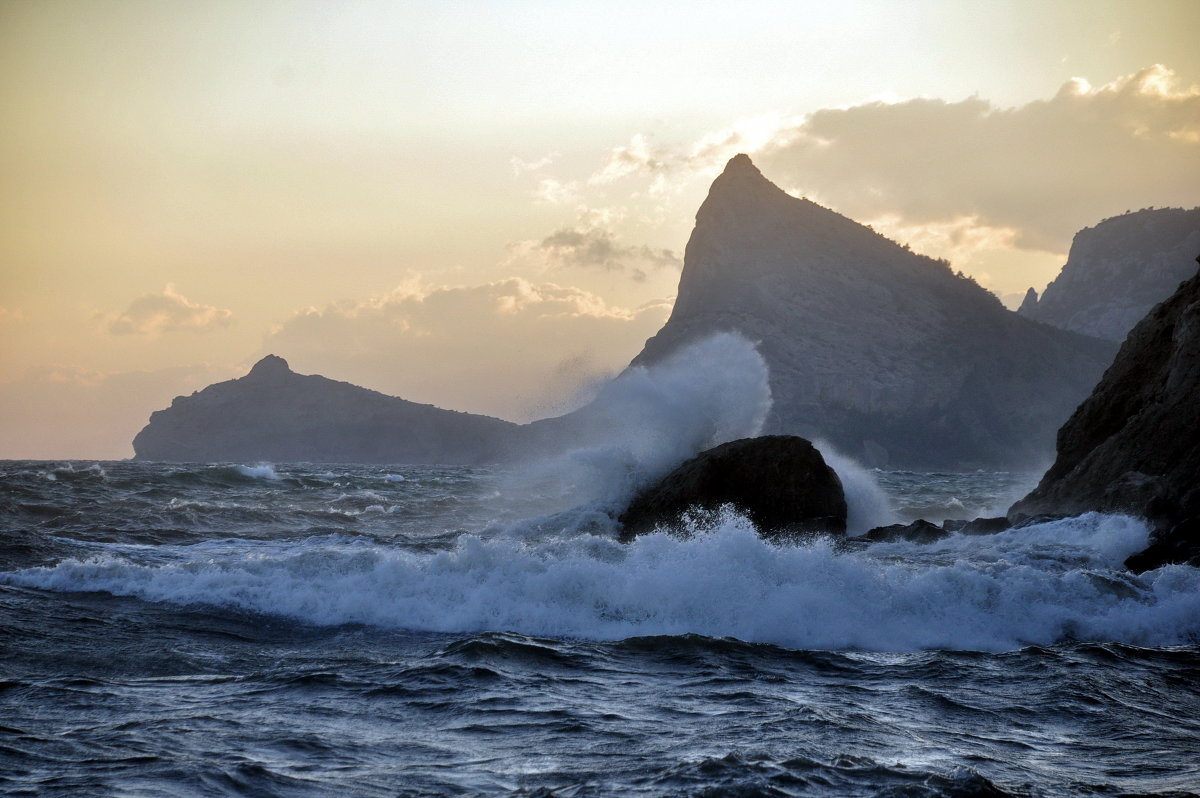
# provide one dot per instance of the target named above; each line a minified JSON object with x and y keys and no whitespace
{"x":484,"y":206}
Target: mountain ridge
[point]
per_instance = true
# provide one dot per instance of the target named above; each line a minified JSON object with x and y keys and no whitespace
{"x":884,"y":352}
{"x":1117,"y":270}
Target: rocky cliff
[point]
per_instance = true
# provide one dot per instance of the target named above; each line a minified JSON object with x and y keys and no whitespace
{"x":1118,"y":270}
{"x":1134,"y":445}
{"x":885,"y":353}
{"x":278,"y":415}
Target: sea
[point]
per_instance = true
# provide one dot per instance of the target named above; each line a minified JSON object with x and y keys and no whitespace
{"x":257,"y":629}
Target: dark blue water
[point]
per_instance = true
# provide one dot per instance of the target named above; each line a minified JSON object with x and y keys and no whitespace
{"x":301,"y":630}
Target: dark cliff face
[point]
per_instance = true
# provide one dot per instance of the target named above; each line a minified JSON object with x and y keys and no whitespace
{"x":275,"y":414}
{"x":1118,"y":270}
{"x":1134,"y":445}
{"x":885,"y":353}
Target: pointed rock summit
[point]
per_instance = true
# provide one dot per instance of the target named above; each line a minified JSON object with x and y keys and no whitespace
{"x":885,"y":353}
{"x":1029,"y":303}
{"x":270,"y":366}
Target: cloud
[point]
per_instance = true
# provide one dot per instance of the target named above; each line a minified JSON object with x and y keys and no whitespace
{"x":556,"y":192}
{"x":598,"y":248}
{"x":707,"y":154}
{"x":520,"y":166}
{"x":70,"y":412}
{"x":510,"y":348}
{"x":1043,"y":170}
{"x":1038,"y":172}
{"x":592,"y":244}
{"x":168,"y":311}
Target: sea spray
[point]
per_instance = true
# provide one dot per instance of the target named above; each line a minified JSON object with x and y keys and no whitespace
{"x":647,"y":421}
{"x":866,"y":504}
{"x":259,"y":471}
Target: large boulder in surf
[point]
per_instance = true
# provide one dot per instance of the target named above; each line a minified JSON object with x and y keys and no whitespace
{"x":780,"y":482}
{"x":1133,"y":446}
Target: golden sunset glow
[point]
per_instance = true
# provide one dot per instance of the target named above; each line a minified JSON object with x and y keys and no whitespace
{"x":484,"y":205}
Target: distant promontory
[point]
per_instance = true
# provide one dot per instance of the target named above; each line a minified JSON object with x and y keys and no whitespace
{"x":278,"y":415}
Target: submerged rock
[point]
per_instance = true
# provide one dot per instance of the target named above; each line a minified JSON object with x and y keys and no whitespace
{"x":780,"y":482}
{"x":1133,"y":446}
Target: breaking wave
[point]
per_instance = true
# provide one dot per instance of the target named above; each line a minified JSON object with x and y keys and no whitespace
{"x":1044,"y":584}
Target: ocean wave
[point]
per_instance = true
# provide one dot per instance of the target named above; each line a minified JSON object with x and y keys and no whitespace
{"x":1043,"y":584}
{"x":71,"y":472}
{"x":260,"y":471}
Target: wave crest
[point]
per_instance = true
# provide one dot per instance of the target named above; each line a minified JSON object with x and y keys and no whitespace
{"x":1039,"y":585}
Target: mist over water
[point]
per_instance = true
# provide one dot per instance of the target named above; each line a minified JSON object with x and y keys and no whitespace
{"x":645,"y":422}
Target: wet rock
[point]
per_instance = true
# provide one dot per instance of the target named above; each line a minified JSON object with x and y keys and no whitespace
{"x":1040,"y":518}
{"x":919,"y":531}
{"x":780,"y":482}
{"x":1179,"y":544}
{"x":1133,"y":446}
{"x":986,"y":526}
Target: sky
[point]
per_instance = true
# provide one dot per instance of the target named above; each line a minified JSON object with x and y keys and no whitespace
{"x":484,"y":205}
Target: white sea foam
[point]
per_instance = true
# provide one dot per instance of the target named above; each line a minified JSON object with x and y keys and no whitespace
{"x":260,"y":471}
{"x":68,"y":470}
{"x":1039,"y":585}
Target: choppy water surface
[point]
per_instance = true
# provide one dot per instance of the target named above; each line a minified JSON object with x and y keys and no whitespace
{"x":331,"y":630}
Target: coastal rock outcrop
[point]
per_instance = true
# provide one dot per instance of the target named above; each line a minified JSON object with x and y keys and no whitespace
{"x":780,"y":482}
{"x":1118,"y":270}
{"x":275,"y":414}
{"x":919,"y":531}
{"x":1133,"y":446}
{"x":887,"y":354}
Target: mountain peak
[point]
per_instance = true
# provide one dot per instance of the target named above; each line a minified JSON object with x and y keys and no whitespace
{"x":269,"y":366}
{"x":740,"y":162}
{"x":739,"y":194}
{"x":866,"y":342}
{"x":1029,"y":303}
{"x":740,"y":174}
